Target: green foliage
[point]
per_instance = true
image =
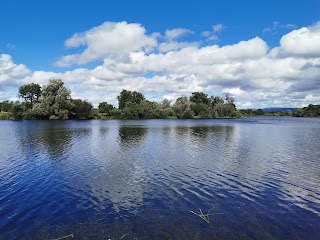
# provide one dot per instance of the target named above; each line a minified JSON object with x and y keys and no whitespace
{"x":148,"y":110}
{"x":131,"y":111}
{"x":105,"y":108}
{"x":200,"y":105}
{"x":229,"y":98}
{"x":81,"y":110}
{"x":258,"y":112}
{"x":17,"y":110}
{"x":55,"y":101}
{"x":200,"y":97}
{"x":246,"y":112}
{"x":30,"y":92}
{"x":6,"y":106}
{"x":116,"y":113}
{"x":201,"y":110}
{"x":6,"y":116}
{"x":165,"y":104}
{"x":216,"y":100}
{"x":127,"y":97}
{"x":182,"y":108}
{"x":309,"y":111}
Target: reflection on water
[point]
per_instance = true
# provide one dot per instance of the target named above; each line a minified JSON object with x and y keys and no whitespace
{"x":131,"y":134}
{"x":260,"y":177}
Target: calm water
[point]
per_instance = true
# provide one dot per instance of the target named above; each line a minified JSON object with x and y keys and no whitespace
{"x":259,"y":178}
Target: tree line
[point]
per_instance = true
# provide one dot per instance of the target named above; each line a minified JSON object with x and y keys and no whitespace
{"x":309,"y":111}
{"x":54,"y":101}
{"x":49,"y":102}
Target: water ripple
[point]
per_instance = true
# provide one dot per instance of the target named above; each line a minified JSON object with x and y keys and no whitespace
{"x":102,"y":179}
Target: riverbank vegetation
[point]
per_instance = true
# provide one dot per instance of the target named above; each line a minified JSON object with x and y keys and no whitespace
{"x":54,"y":101}
{"x":309,"y":111}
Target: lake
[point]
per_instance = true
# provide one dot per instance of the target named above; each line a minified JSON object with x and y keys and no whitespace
{"x":254,"y":178}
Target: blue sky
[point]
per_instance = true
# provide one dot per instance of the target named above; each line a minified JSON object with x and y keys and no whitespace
{"x":34,"y":36}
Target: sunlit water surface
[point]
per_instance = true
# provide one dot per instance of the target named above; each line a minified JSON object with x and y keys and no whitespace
{"x":258,"y":178}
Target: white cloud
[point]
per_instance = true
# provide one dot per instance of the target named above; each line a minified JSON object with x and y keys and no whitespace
{"x":173,"y":45}
{"x":213,"y":38}
{"x":206,"y":34}
{"x":276,"y":26}
{"x":218,"y":28}
{"x":257,"y":77}
{"x":109,"y":40}
{"x":303,"y":42}
{"x":11,"y":77}
{"x":245,"y":105}
{"x":213,"y":35}
{"x":11,"y":72}
{"x":233,"y":91}
{"x":177,"y":33}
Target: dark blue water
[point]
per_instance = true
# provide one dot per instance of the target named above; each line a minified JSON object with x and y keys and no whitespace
{"x":258,"y":178}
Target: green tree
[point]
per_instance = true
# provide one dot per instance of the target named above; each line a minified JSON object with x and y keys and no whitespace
{"x":201,"y":110}
{"x":55,"y":101}
{"x":165,"y":104}
{"x":30,"y":92}
{"x":229,"y":98}
{"x":182,"y":108}
{"x":147,"y":110}
{"x":81,"y":110}
{"x":17,"y":110}
{"x":258,"y":112}
{"x":309,"y":111}
{"x":6,"y":106}
{"x":105,"y":108}
{"x":215,"y":100}
{"x":130,"y":111}
{"x":126,"y":97}
{"x":200,"y":97}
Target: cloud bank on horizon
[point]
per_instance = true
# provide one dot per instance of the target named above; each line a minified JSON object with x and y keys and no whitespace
{"x":165,"y":65}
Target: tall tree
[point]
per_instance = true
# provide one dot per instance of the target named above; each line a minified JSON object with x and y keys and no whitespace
{"x":126,"y":97}
{"x":6,"y":106}
{"x":182,"y":108}
{"x":55,"y":101}
{"x":215,"y":100}
{"x":30,"y":92}
{"x":105,"y":108}
{"x":229,"y":98}
{"x":81,"y":110}
{"x":200,"y":97}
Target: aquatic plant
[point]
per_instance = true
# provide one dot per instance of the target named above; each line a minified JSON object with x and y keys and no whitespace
{"x":64,"y":237}
{"x":204,"y":216}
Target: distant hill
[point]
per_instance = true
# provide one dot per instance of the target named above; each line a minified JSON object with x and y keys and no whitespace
{"x":268,"y":110}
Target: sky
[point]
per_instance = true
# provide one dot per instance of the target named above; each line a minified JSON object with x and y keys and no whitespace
{"x":264,"y":53}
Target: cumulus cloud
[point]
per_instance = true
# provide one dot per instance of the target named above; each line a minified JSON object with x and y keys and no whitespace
{"x":288,"y":75}
{"x":303,"y":42}
{"x":10,"y":73}
{"x":11,"y":76}
{"x":173,"y":45}
{"x":109,"y":40}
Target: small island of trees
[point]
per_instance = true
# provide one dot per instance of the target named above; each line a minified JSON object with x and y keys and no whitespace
{"x":54,"y":102}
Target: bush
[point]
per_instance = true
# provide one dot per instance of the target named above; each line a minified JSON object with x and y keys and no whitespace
{"x":6,"y":116}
